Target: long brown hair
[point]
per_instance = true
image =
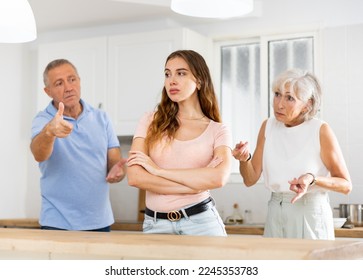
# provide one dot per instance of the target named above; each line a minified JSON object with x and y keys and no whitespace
{"x":165,"y":122}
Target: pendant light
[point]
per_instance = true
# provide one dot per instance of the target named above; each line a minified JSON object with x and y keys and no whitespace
{"x":17,"y":23}
{"x":212,"y":8}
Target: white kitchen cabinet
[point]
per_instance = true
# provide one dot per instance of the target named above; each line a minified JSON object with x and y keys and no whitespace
{"x":90,"y":58}
{"x":136,"y":71}
{"x":122,"y":74}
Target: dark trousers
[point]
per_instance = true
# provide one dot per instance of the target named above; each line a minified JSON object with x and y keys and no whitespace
{"x":105,"y":229}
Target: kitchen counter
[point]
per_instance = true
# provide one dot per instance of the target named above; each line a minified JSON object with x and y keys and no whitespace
{"x":254,"y":229}
{"x":16,"y":243}
{"x":356,"y":232}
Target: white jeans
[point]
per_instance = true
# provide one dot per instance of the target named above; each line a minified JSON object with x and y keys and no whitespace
{"x":310,"y":217}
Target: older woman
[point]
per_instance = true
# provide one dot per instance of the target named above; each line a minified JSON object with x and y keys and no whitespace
{"x":300,"y":159}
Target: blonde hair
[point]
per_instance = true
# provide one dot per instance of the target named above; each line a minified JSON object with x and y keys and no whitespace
{"x":304,"y":84}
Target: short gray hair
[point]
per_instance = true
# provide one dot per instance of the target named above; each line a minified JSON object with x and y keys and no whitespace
{"x":54,"y":64}
{"x":304,"y":84}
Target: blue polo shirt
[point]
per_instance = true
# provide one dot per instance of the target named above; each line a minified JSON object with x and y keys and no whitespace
{"x":75,"y":194}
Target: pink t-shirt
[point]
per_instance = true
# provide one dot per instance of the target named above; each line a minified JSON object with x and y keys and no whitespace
{"x":195,"y":153}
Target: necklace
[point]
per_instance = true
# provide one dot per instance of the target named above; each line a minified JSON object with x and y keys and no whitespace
{"x":192,"y":119}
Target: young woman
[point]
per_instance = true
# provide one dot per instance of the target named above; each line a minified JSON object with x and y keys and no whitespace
{"x":181,"y":151}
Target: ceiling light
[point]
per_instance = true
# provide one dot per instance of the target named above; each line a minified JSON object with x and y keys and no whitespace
{"x":17,"y":23}
{"x":212,"y":8}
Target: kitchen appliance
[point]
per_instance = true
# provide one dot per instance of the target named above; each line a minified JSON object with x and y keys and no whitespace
{"x":353,"y":213}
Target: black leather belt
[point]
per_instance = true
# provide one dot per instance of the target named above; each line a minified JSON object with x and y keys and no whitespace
{"x":176,"y":215}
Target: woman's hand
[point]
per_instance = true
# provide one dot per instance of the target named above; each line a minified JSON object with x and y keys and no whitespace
{"x":241,"y":152}
{"x":139,"y":158}
{"x":300,"y":186}
{"x":215,"y":162}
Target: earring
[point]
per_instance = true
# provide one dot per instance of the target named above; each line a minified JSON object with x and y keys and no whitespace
{"x":198,"y":85}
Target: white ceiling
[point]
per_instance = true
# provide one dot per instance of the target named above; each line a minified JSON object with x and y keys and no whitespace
{"x":53,"y":15}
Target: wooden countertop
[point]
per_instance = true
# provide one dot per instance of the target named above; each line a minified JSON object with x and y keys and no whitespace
{"x":18,"y":243}
{"x":356,"y":232}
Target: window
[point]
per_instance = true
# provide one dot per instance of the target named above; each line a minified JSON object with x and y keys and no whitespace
{"x":289,"y":53}
{"x":247,"y":70}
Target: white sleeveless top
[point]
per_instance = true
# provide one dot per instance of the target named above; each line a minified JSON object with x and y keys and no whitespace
{"x":290,"y":152}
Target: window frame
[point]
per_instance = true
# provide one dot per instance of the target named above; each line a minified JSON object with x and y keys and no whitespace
{"x":263,"y":40}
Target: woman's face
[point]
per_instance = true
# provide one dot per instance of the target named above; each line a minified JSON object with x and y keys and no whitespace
{"x":180,"y":83}
{"x":288,"y":109}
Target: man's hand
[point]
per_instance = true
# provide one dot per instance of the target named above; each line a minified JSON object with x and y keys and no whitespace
{"x":58,"y":127}
{"x":117,"y":172}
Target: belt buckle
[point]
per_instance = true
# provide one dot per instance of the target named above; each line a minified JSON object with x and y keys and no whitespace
{"x":174,"y":216}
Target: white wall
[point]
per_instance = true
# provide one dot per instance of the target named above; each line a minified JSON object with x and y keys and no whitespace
{"x":342,"y":61}
{"x":343,"y":100}
{"x":16,"y":99}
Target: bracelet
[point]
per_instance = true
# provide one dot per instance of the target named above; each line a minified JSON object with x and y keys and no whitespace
{"x":313,"y":181}
{"x":249,"y":157}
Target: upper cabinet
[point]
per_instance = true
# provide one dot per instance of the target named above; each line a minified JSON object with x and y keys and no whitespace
{"x":136,"y":71}
{"x":89,"y":56}
{"x":123,"y":74}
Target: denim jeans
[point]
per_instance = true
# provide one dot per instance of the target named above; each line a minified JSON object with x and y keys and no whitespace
{"x":206,"y":223}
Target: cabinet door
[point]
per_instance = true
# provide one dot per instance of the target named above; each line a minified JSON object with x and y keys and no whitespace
{"x":136,"y":72}
{"x":89,"y":56}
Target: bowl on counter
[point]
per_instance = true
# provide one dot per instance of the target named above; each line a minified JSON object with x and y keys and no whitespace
{"x":339,"y":222}
{"x":353,"y":212}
